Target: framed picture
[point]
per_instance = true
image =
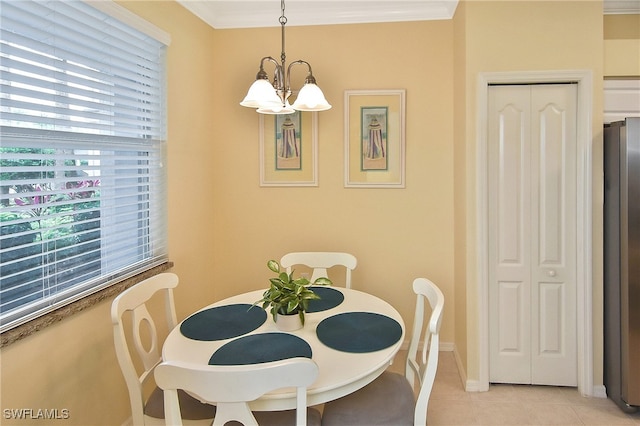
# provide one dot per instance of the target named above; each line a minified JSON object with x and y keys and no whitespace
{"x":374,"y":144}
{"x":289,"y":149}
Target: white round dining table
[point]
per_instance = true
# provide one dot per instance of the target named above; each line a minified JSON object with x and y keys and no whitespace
{"x":340,"y":372}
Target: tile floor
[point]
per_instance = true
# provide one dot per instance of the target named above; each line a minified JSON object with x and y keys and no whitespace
{"x":513,"y":404}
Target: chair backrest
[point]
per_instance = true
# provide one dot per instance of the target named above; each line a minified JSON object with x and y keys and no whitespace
{"x":424,"y":367}
{"x":134,"y":300}
{"x":320,"y":261}
{"x":231,"y":387}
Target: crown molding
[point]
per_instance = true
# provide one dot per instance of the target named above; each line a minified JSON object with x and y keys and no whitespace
{"x":224,"y":14}
{"x":621,"y":7}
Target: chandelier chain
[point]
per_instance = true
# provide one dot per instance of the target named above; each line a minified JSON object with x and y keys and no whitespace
{"x":283,"y":21}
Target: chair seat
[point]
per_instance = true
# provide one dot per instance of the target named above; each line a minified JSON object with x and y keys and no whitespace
{"x":190,"y":407}
{"x":388,"y":400}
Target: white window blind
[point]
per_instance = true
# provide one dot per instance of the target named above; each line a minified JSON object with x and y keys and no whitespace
{"x":82,"y":116}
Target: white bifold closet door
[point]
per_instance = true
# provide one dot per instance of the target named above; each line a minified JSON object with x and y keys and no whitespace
{"x":532,"y":234}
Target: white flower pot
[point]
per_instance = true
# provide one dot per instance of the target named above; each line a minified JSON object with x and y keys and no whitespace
{"x":288,"y":322}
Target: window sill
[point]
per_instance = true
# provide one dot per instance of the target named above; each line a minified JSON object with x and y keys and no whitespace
{"x":40,"y":323}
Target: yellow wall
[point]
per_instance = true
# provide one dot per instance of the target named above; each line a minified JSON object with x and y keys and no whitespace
{"x":622,"y":46}
{"x":223,"y":226}
{"x":396,"y":234}
{"x":462,"y":262}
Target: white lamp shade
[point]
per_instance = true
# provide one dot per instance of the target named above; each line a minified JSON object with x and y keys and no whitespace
{"x":311,"y":98}
{"x":277,"y":109}
{"x":261,"y":94}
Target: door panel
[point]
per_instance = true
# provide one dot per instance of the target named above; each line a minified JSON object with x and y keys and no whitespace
{"x":550,"y":186}
{"x":510,"y":181}
{"x":511,"y":306}
{"x":553,"y":108}
{"x":510,"y":283}
{"x":551,"y":302}
{"x":532,"y":299}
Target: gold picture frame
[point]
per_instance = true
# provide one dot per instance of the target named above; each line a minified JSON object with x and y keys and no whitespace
{"x":289,"y":149}
{"x":374,"y":139}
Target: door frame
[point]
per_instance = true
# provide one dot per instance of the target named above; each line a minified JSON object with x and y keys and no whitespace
{"x":584,"y":184}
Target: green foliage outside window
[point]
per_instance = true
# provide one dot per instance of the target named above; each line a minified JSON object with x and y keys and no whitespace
{"x":49,"y":222}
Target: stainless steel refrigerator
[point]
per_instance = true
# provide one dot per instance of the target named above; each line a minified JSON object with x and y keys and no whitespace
{"x":622,"y":263}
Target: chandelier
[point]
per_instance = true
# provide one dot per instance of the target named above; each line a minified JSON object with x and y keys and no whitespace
{"x":273,"y":98}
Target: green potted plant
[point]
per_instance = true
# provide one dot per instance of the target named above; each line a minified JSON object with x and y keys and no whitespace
{"x":288,"y":296}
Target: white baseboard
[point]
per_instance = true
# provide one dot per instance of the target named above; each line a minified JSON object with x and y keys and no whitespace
{"x":444,"y":346}
{"x":599,"y":391}
{"x":469,"y":385}
{"x":447,"y":347}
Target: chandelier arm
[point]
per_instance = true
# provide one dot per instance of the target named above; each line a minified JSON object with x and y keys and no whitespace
{"x":261,"y":72}
{"x":268,"y":58}
{"x":309,"y":79}
{"x":278,"y":78}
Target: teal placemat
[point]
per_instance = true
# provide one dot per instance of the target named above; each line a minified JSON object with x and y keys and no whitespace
{"x":223,"y":322}
{"x":329,"y":298}
{"x":259,"y":348}
{"x":359,"y":332}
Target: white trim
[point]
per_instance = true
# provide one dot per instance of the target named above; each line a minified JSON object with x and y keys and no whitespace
{"x":599,"y":391}
{"x":584,"y":278}
{"x":469,"y":385}
{"x":447,"y":347}
{"x":482,"y":230}
{"x":221,"y":14}
{"x":444,"y":346}
{"x":126,"y":16}
{"x":621,"y":7}
{"x":621,"y":99}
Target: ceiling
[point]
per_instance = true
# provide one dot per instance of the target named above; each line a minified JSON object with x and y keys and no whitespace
{"x":222,"y":14}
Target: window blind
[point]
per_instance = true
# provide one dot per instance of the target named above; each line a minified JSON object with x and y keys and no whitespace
{"x":82,"y":122}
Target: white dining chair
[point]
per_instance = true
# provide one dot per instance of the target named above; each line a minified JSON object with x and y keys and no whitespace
{"x":150,"y":410}
{"x":320,"y":262}
{"x":390,"y":399}
{"x":232,"y":387}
